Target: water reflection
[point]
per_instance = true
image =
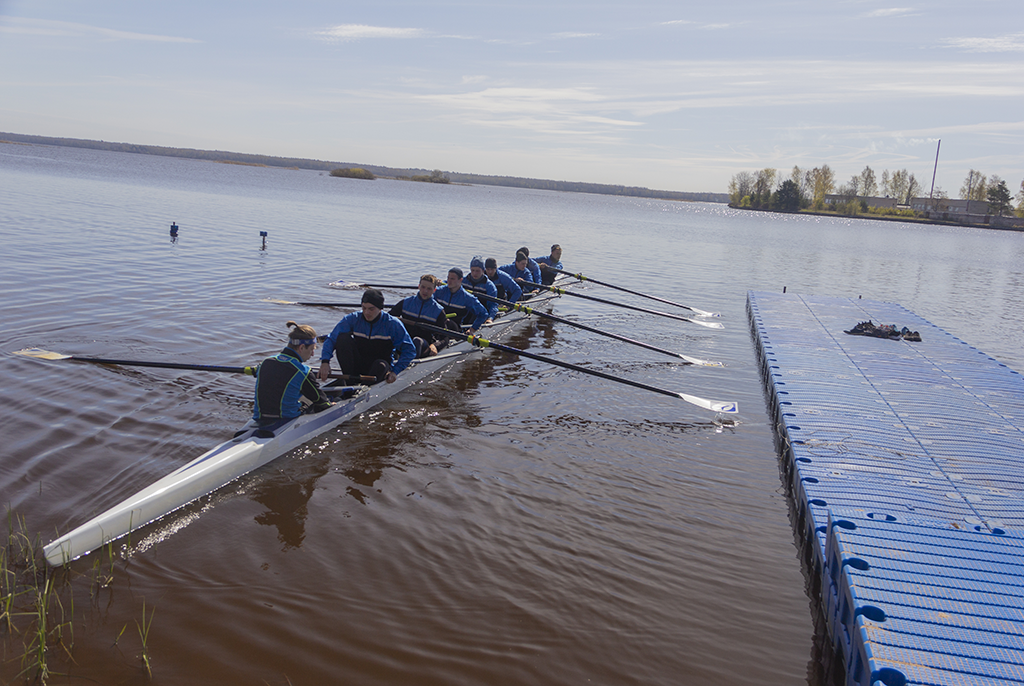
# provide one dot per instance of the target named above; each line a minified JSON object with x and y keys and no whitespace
{"x":286,"y":496}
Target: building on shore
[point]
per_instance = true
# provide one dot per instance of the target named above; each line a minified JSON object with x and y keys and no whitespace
{"x":883,"y":203}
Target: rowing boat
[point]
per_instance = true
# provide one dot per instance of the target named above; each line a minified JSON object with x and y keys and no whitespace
{"x":254,"y":446}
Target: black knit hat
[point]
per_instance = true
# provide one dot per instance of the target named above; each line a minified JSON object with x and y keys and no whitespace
{"x":374,"y":297}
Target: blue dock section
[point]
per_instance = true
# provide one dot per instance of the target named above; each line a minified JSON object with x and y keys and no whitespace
{"x":906,"y":464}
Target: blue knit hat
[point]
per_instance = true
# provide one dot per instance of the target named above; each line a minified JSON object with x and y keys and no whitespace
{"x":477,"y":261}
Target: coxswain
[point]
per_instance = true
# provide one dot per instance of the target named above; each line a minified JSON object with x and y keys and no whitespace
{"x":285,"y":384}
{"x":371,"y":342}
{"x":456,"y":300}
{"x":549,"y":264}
{"x":479,"y":285}
{"x":508,"y":289}
{"x":520,"y":273}
{"x":423,"y":309}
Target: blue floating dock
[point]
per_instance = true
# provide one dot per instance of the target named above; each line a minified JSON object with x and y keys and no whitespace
{"x":906,"y":464}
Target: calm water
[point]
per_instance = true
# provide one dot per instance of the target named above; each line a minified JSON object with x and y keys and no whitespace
{"x":510,"y":523}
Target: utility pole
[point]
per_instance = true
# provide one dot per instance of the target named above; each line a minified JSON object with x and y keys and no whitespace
{"x":931,"y":193}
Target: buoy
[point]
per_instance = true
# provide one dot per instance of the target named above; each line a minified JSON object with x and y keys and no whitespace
{"x":174,"y":229}
{"x":264,"y":234}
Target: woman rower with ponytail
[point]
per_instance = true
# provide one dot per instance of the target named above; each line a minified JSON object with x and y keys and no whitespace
{"x":285,"y":384}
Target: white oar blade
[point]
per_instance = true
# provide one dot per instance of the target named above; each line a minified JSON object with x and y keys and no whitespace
{"x":710,"y":325}
{"x":700,"y":362}
{"x":279,"y":302}
{"x":346,"y":285}
{"x":702,"y":313}
{"x":713,"y":405}
{"x":41,"y":354}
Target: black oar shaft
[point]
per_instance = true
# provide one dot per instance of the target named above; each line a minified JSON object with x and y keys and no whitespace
{"x":715,"y":406}
{"x":562,"y":291}
{"x":581,"y":277}
{"x":519,"y":307}
{"x":251,"y":371}
{"x":164,"y":365}
{"x":485,"y":343}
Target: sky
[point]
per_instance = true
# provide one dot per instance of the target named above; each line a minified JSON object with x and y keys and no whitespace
{"x":668,"y":95}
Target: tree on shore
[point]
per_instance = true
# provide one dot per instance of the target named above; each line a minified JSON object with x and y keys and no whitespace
{"x":820,"y":182}
{"x":868,"y":185}
{"x":1020,"y":200}
{"x":764,"y":184}
{"x":998,"y":196}
{"x":900,"y":185}
{"x":740,"y":186}
{"x":975,"y":186}
{"x":788,"y":197}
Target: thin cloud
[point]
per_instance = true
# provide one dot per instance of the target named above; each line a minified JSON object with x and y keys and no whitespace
{"x":572,"y":34}
{"x":347,"y":32}
{"x":890,"y":12}
{"x":676,"y":21}
{"x":65,"y":29}
{"x":1013,"y":42}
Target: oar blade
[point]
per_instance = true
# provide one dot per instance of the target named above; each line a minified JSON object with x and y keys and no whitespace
{"x":709,"y":325}
{"x":713,"y":405}
{"x":41,"y":354}
{"x":347,"y":285}
{"x":700,"y":362}
{"x":278,"y":302}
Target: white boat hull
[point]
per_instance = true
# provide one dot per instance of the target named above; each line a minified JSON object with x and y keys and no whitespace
{"x":247,"y":451}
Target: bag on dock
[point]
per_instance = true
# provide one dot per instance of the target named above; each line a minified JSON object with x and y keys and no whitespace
{"x":889,"y":331}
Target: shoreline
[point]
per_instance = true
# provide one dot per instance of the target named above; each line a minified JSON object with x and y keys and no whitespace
{"x":1012,"y":223}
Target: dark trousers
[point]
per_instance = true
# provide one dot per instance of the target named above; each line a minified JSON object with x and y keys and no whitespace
{"x":351,"y":361}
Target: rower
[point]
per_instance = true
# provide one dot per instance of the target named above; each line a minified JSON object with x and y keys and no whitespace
{"x":456,"y":300}
{"x":371,"y":342}
{"x":285,"y":384}
{"x":478,"y":284}
{"x":507,"y":288}
{"x":531,"y":264}
{"x":423,"y":309}
{"x":520,"y":272}
{"x":549,"y":264}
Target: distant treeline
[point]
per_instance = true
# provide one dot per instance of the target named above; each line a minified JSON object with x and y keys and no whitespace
{"x":386,"y":172}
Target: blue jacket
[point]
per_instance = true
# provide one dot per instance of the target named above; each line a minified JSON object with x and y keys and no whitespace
{"x":547,"y":276}
{"x":485,"y":287}
{"x":524,"y":274}
{"x":415,"y":310}
{"x":507,"y":288}
{"x":463,"y":304}
{"x":281,"y":383}
{"x":534,"y":268}
{"x":372,"y":334}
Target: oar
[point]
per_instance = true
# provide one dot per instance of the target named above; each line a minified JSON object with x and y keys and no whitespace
{"x":562,"y":291}
{"x":40,"y":354}
{"x":520,"y":307}
{"x":355,"y":285}
{"x":702,"y":313}
{"x":312,"y":304}
{"x":479,"y":342}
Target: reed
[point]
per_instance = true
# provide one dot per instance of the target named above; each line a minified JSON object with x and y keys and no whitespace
{"x":37,"y":607}
{"x":144,"y":636}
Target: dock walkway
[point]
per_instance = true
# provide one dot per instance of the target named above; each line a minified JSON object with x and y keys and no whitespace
{"x":906,"y":462}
